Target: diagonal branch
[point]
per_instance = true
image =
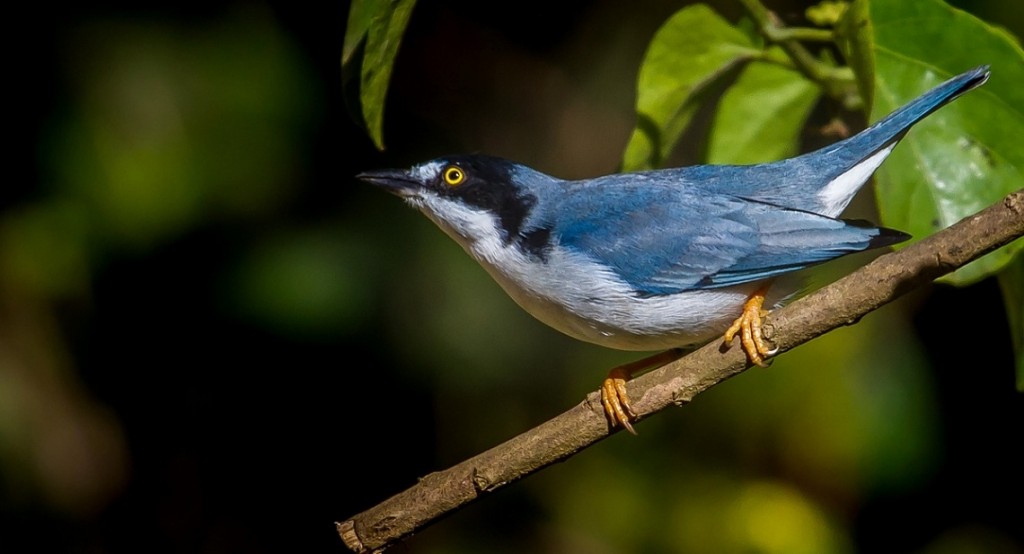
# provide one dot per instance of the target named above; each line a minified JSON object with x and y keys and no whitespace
{"x":843,"y":302}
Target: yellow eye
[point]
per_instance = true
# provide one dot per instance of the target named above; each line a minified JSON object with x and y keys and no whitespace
{"x":454,"y":175}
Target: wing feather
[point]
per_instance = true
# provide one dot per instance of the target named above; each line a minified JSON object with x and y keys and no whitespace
{"x":660,"y":241}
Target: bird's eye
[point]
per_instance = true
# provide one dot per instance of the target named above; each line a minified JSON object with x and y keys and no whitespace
{"x":453,"y":175}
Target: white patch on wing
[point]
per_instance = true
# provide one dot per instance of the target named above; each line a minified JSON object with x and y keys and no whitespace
{"x":577,"y":296}
{"x":838,"y":192}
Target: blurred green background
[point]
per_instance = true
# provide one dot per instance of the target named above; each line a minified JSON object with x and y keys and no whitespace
{"x":214,"y":339}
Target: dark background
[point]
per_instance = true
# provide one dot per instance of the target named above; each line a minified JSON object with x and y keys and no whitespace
{"x":214,"y":339}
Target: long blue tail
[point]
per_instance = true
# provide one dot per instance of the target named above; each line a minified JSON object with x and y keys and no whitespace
{"x":847,"y":153}
{"x":824,"y":181}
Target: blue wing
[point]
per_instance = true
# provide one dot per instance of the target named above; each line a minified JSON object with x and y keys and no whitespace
{"x":702,"y":227}
{"x":661,"y":241}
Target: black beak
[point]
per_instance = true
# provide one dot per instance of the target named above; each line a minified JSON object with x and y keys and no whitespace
{"x":396,"y":181}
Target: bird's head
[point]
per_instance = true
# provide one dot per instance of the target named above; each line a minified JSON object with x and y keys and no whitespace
{"x":472,"y":197}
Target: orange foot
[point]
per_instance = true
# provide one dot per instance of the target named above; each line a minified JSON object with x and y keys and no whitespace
{"x":613,"y":389}
{"x":748,"y":325}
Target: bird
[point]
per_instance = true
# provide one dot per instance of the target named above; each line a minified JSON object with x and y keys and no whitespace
{"x":664,"y":259}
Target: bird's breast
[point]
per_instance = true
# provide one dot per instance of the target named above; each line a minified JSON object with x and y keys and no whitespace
{"x":585,"y":300}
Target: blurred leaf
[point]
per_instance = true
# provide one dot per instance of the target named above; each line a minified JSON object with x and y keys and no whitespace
{"x":622,"y":512}
{"x":965,"y":156}
{"x":855,"y":37}
{"x":360,"y":15}
{"x":749,"y":27}
{"x":1011,"y":281}
{"x":693,"y":49}
{"x":827,"y":12}
{"x":761,"y":116}
{"x":661,"y":501}
{"x":773,"y":517}
{"x":382,"y":23}
{"x":169,"y":127}
{"x":45,"y":249}
{"x":310,"y":282}
{"x":968,"y":538}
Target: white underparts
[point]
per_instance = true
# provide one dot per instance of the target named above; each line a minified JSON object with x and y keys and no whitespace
{"x":574,"y":294}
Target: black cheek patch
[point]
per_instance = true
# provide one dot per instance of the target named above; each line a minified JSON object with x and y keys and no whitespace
{"x":489,"y":186}
{"x":536,"y":242}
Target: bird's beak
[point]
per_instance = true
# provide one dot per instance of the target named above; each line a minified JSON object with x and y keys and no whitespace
{"x":396,"y":181}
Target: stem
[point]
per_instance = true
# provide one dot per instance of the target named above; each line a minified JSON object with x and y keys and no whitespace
{"x":807,"y":34}
{"x":836,"y":82}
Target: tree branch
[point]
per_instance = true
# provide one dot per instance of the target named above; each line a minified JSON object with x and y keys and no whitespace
{"x":843,"y":302}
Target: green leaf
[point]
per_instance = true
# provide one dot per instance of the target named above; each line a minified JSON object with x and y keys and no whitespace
{"x":692,"y":50}
{"x":827,"y":12}
{"x":965,"y":156}
{"x":360,"y":15}
{"x":1011,"y":281}
{"x":761,"y":116}
{"x":382,"y":23}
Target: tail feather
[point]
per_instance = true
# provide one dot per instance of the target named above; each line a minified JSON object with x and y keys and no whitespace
{"x":824,"y":181}
{"x":852,"y":161}
{"x":893,"y":126}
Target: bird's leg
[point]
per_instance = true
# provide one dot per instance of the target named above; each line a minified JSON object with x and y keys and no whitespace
{"x":748,"y":325}
{"x":613,"y":390}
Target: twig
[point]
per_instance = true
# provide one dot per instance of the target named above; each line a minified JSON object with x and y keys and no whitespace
{"x":843,"y":302}
{"x":837,"y":82}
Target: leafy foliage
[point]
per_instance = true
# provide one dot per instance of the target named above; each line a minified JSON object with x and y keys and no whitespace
{"x":966,"y":155}
{"x":761,"y":117}
{"x":692,"y":50}
{"x":379,"y":26}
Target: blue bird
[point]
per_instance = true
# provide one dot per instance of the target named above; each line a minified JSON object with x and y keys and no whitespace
{"x":665,"y":259}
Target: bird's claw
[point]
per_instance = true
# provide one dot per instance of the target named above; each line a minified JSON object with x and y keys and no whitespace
{"x":613,"y":389}
{"x":615,"y":399}
{"x":748,"y":326}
